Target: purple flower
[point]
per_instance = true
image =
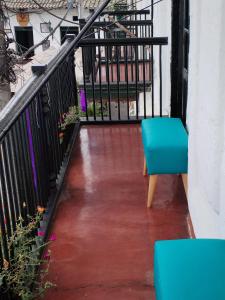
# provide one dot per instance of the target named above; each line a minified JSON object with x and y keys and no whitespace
{"x":47,"y":255}
{"x":52,"y":237}
{"x":83,"y":100}
{"x":41,"y":233}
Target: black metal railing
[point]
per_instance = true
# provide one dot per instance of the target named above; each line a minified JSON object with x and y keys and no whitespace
{"x":118,"y":79}
{"x":134,"y":28}
{"x":119,"y":59}
{"x":126,"y":15}
{"x":31,"y":149}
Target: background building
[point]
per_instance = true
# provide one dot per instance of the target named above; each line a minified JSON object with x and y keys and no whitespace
{"x":29,"y":22}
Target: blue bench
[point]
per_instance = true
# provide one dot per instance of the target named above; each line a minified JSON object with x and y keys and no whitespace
{"x":165,"y":144}
{"x":190,"y":269}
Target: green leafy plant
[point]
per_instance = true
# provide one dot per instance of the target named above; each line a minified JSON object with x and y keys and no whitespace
{"x":24,"y":274}
{"x":71,"y":117}
{"x":97,"y":112}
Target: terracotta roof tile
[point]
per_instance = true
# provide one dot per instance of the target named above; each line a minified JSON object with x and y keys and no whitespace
{"x":91,"y":3}
{"x":48,"y":4}
{"x":29,"y":4}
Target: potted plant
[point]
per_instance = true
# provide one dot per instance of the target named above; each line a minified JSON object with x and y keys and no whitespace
{"x":23,"y":276}
{"x":67,"y":124}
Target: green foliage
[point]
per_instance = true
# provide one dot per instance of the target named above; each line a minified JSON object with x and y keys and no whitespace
{"x":72,"y":116}
{"x":115,"y":6}
{"x":98,"y":109}
{"x":24,"y":274}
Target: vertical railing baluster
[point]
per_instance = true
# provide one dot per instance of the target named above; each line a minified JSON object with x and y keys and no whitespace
{"x":131,"y":63}
{"x":13,"y":156}
{"x":108,"y":81}
{"x":11,"y":186}
{"x":144,"y":83}
{"x":127,"y":83}
{"x":8,"y":209}
{"x":28,"y":153}
{"x":1,"y":248}
{"x":136,"y":80}
{"x":7,"y":216}
{"x":136,"y":27}
{"x":74,"y":79}
{"x":151,"y":68}
{"x":42,"y":134}
{"x":53,"y":96}
{"x":59,"y":91}
{"x":22,"y":188}
{"x":25,"y":190}
{"x":118,"y":80}
{"x":3,"y":236}
{"x":113,"y":51}
{"x":152,"y":57}
{"x":160,"y":79}
{"x":50,"y":132}
{"x":100,"y":80}
{"x":85,"y":87}
{"x":36,"y":154}
{"x":26,"y":171}
{"x":56,"y":85}
{"x":52,"y":128}
{"x":145,"y":27}
{"x":93,"y":81}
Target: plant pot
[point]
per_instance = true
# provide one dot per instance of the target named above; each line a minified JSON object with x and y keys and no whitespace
{"x":66,"y":135}
{"x":69,"y":133}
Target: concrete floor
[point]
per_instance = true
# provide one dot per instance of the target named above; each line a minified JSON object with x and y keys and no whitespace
{"x":105,"y":234}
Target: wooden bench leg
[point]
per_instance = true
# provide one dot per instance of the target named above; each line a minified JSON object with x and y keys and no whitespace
{"x":151,"y":188}
{"x":145,"y":167}
{"x":185,"y":183}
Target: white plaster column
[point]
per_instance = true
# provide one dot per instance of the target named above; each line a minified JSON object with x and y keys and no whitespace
{"x":206,"y":118}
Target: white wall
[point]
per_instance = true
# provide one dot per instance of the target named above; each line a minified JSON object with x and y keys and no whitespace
{"x":36,"y":19}
{"x":206,"y":118}
{"x":162,"y":28}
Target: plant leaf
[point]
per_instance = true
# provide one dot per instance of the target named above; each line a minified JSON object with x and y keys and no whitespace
{"x":1,"y":279}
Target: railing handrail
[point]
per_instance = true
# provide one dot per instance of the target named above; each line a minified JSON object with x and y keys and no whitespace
{"x":126,"y":12}
{"x":16,"y":104}
{"x":123,"y":22}
{"x":24,"y":98}
{"x":125,"y":41}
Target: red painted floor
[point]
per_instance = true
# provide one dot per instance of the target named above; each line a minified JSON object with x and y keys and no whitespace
{"x":105,"y":234}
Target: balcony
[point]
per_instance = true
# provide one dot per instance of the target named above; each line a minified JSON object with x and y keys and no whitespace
{"x":89,"y":178}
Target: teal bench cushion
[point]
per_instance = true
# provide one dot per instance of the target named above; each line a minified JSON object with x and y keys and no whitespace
{"x":190,"y":269}
{"x":165,"y":145}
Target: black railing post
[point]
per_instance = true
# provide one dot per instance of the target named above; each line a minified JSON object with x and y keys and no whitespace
{"x":160,"y":80}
